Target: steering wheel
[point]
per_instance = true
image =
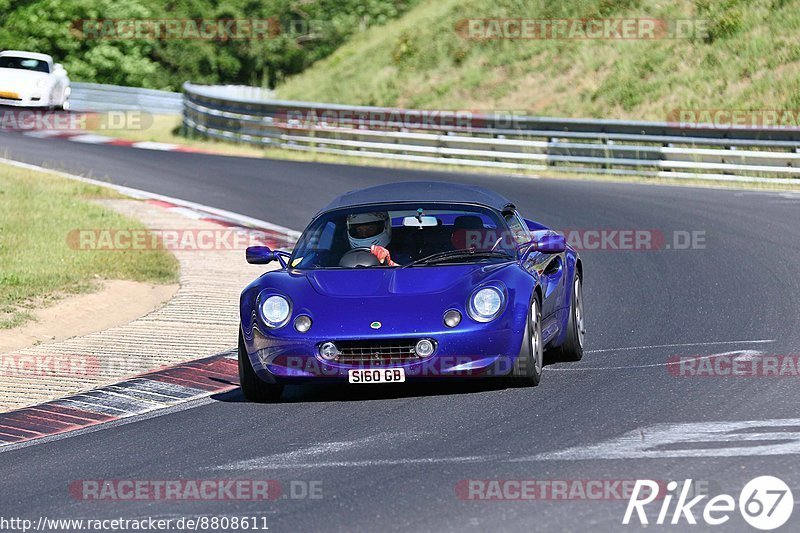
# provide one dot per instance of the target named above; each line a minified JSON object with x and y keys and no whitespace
{"x":359,"y":257}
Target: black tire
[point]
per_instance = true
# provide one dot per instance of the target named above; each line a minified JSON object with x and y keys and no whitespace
{"x":253,"y":387}
{"x":572,"y":349}
{"x":527,"y":371}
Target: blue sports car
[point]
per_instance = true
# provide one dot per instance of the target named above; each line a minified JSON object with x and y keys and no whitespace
{"x":407,"y":281}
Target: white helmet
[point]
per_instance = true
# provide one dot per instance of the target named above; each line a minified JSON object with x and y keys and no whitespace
{"x":366,"y":229}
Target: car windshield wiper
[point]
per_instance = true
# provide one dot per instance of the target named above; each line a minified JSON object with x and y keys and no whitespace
{"x":457,"y":254}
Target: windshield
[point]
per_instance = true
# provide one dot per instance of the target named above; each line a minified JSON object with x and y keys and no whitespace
{"x":411,"y":233}
{"x":24,"y":63}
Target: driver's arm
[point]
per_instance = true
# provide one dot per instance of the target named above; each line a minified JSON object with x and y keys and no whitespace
{"x":383,"y":255}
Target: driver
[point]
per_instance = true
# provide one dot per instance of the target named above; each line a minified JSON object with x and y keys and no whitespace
{"x":373,"y":231}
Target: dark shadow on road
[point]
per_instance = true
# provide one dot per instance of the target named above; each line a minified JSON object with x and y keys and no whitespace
{"x":356,"y":393}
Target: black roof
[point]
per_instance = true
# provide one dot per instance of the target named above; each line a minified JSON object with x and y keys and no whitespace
{"x":420,"y":191}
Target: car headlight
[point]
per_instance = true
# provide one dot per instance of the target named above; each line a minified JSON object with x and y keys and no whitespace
{"x":486,"y":303}
{"x":275,"y":311}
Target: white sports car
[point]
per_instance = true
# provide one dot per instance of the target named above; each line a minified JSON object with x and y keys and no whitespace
{"x":28,"y":79}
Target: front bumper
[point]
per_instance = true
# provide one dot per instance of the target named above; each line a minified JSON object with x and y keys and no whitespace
{"x":482,"y":351}
{"x":23,"y":99}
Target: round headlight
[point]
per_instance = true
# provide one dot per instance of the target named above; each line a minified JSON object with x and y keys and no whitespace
{"x":302,"y":323}
{"x":452,"y":318}
{"x":486,"y":303}
{"x":275,"y":311}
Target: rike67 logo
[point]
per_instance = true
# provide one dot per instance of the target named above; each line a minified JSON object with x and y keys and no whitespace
{"x":765,"y":503}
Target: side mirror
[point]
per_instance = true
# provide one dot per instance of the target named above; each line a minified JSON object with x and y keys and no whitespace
{"x":547,"y":242}
{"x":259,"y":255}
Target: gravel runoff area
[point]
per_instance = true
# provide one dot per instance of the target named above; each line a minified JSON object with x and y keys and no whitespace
{"x":200,"y":320}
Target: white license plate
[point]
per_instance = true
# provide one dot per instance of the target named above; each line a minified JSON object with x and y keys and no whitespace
{"x":376,"y":375}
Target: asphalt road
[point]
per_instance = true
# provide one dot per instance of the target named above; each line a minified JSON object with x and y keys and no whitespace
{"x":392,"y":458}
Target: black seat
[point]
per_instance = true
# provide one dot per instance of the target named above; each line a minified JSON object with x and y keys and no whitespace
{"x":462,"y":227}
{"x":467,"y":222}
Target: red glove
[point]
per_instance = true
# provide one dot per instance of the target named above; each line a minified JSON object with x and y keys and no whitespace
{"x":383,"y":255}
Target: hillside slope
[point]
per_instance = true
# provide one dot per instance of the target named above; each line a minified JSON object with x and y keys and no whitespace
{"x":749,"y":58}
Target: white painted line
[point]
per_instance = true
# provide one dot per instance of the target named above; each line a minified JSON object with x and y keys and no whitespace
{"x":745,"y":353}
{"x":314,"y":450}
{"x":91,"y":139}
{"x":694,"y":439}
{"x":103,"y":398}
{"x":304,"y":457}
{"x":363,"y":462}
{"x":149,"y":145}
{"x":138,"y":393}
{"x":93,"y":407}
{"x":186,"y":212}
{"x":688,"y":344}
{"x":44,"y":134}
{"x":163,"y":388}
{"x":129,"y":402}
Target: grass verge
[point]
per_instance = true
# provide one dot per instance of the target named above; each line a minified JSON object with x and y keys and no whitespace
{"x":37,"y":264}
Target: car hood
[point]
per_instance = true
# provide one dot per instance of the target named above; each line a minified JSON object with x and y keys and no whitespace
{"x":360,"y":283}
{"x":12,"y":78}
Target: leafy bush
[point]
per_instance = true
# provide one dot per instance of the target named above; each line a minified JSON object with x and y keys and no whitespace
{"x":724,"y":17}
{"x":52,"y":26}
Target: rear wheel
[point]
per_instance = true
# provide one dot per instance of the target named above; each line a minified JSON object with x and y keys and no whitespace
{"x":572,"y":349}
{"x":253,"y":387}
{"x":528,"y":366}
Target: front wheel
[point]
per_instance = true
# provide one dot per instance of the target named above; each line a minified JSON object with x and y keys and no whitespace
{"x":572,"y":349}
{"x":528,"y":366}
{"x":253,"y":387}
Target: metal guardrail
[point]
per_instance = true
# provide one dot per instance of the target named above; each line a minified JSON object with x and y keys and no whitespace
{"x":657,"y":149}
{"x":97,"y":97}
